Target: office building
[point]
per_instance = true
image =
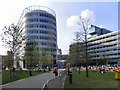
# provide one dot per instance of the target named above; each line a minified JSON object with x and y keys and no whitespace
{"x":103,"y":46}
{"x":96,"y":31}
{"x":38,"y":23}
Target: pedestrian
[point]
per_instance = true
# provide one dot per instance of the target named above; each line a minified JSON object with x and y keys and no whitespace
{"x":100,"y":69}
{"x":14,"y":73}
{"x":47,"y":68}
{"x":56,"y":70}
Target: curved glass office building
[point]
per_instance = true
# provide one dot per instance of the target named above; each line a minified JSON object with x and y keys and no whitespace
{"x":38,"y":23}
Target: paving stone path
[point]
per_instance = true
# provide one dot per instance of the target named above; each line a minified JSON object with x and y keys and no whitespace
{"x":31,"y":82}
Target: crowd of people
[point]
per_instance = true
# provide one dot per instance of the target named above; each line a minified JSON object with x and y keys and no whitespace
{"x":105,"y":68}
{"x":100,"y":68}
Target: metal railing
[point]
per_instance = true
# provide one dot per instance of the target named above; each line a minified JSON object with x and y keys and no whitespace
{"x":56,"y":82}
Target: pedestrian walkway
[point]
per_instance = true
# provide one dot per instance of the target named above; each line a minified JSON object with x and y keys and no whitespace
{"x":57,"y":82}
{"x":31,"y":82}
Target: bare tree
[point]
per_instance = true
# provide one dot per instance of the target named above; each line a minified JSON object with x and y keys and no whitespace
{"x":83,"y":24}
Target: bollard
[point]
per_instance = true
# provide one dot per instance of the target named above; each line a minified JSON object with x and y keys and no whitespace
{"x":30,"y":73}
{"x":68,"y":71}
{"x":70,"y":77}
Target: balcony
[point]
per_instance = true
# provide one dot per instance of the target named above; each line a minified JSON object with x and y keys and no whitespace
{"x":40,"y":17}
{"x":42,"y":23}
{"x":40,"y":40}
{"x":109,"y":57}
{"x":50,"y":30}
{"x":41,"y":34}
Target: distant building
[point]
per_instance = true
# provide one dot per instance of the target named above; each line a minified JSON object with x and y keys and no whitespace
{"x":64,"y":56}
{"x":2,"y":58}
{"x":59,"y":54}
{"x":61,"y":62}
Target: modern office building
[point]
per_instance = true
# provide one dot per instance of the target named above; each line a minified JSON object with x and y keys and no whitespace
{"x":104,"y":48}
{"x":96,"y":31}
{"x":38,"y":23}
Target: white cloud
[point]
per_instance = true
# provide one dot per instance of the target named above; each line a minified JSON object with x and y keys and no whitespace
{"x":88,"y":14}
{"x":72,"y":20}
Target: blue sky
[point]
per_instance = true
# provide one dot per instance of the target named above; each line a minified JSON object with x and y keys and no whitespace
{"x":105,"y":14}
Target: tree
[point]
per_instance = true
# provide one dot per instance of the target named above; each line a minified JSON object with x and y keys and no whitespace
{"x":65,"y":57}
{"x":78,"y":51}
{"x":40,"y":61}
{"x":7,"y":60}
{"x":49,"y":59}
{"x":11,"y":38}
{"x":76,"y":55}
{"x":83,"y":23}
{"x":31,"y":55}
{"x":44,"y":58}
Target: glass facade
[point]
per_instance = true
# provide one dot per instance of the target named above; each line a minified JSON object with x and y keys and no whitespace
{"x":94,"y":31}
{"x":38,"y":23}
{"x":105,"y":46}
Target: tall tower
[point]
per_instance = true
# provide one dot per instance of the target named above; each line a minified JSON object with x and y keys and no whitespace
{"x":38,"y":23}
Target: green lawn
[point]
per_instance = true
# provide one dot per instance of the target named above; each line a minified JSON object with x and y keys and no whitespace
{"x":19,"y":75}
{"x":95,"y":80}
{"x":0,"y":77}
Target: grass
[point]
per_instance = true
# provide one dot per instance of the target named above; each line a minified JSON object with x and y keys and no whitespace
{"x":0,"y":77}
{"x":19,"y":75}
{"x":95,"y":80}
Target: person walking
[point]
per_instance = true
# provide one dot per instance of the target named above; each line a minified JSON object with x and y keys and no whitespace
{"x":56,"y":70}
{"x":47,"y":68}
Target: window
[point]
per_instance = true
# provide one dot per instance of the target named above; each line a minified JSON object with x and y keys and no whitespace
{"x":43,"y":43}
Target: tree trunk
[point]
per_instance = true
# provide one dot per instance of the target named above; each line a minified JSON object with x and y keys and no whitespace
{"x":86,"y":67}
{"x":79,"y":69}
{"x":44,"y":69}
{"x":87,"y":72}
{"x":68,"y":70}
{"x":10,"y":73}
{"x":86,"y":56}
{"x":30,"y":72}
{"x":76,"y":68}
